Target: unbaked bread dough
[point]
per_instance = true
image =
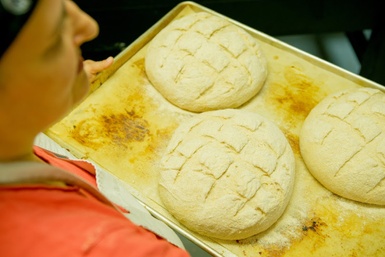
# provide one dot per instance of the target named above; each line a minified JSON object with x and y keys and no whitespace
{"x":202,"y":62}
{"x":227,"y":174}
{"x":342,"y":142}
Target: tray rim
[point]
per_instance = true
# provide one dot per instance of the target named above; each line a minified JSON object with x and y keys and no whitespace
{"x":150,"y":33}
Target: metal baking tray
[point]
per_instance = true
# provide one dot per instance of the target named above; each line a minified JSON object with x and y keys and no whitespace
{"x":125,"y":124}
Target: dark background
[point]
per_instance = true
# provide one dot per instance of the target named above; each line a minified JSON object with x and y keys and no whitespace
{"x":123,"y":21}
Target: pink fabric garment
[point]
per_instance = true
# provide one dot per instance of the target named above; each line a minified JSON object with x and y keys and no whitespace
{"x":49,"y":219}
{"x":80,"y":168}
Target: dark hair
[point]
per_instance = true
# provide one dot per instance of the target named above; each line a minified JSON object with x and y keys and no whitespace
{"x":13,"y":15}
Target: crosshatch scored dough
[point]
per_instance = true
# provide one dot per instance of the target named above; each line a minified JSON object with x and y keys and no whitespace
{"x":202,"y":62}
{"x":342,"y":142}
{"x":227,"y":174}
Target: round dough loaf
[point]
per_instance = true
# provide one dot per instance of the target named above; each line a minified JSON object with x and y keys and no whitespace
{"x":202,"y":62}
{"x":227,"y":174}
{"x":342,"y":142}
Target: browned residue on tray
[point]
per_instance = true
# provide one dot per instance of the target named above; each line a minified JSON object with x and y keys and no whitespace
{"x":114,"y":128}
{"x":129,"y":126}
{"x":293,"y":141}
{"x":292,"y":97}
{"x":296,"y":95}
{"x":140,"y":65}
{"x":119,"y":123}
{"x":313,"y":228}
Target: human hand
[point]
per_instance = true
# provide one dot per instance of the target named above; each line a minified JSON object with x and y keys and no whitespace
{"x":92,"y":68}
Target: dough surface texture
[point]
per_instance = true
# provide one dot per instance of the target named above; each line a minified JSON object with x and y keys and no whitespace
{"x":227,"y":174}
{"x":342,"y":142}
{"x":201,"y":62}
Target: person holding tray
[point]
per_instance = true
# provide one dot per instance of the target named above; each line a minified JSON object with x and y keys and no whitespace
{"x":50,"y":206}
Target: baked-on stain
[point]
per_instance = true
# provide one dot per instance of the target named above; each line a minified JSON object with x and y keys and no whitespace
{"x":119,"y":129}
{"x":313,"y":225}
{"x":139,"y":64}
{"x":296,"y":96}
{"x":293,"y":140}
{"x":310,"y":227}
{"x":293,"y":98}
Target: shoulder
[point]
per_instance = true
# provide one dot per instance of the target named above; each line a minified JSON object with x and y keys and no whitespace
{"x":65,"y":220}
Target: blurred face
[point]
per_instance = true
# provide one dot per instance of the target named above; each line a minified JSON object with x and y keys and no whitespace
{"x":41,"y":73}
